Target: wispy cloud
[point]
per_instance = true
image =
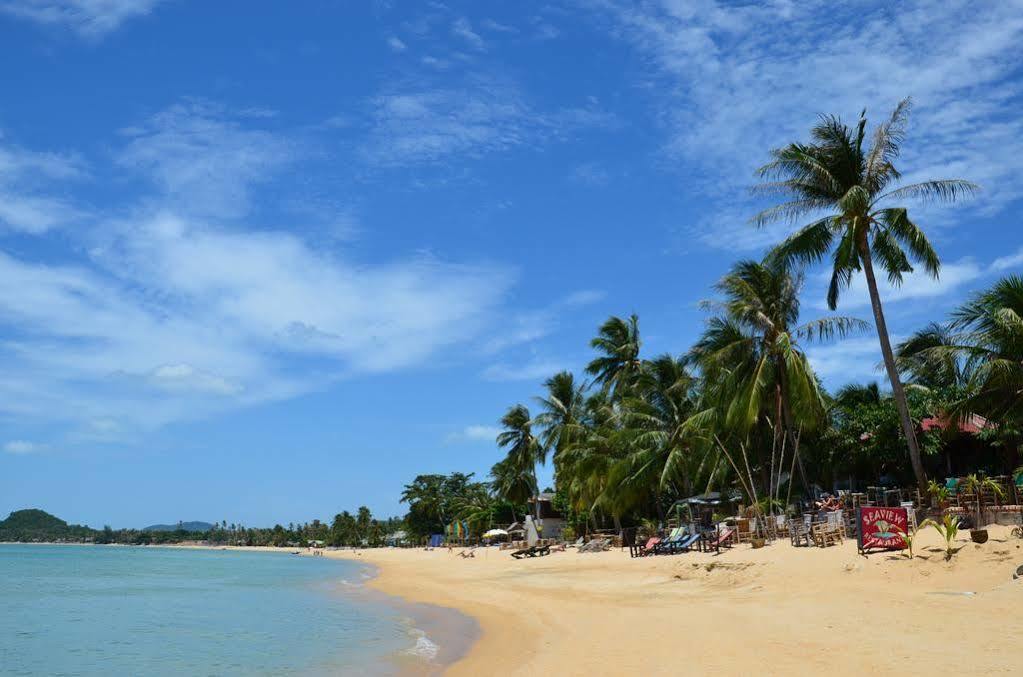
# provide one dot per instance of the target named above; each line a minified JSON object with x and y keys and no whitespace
{"x":530,"y":326}
{"x":91,"y":19}
{"x":474,"y":433}
{"x":29,"y":200}
{"x":1010,"y":262}
{"x":22,"y":447}
{"x":174,"y":315}
{"x":423,"y":126}
{"x":915,"y":286}
{"x":732,"y":80}
{"x":396,"y":44}
{"x":848,"y":361}
{"x":462,"y":29}
{"x":533,"y":370}
{"x":204,"y":158}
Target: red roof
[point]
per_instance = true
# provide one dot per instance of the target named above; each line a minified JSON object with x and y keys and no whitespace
{"x":973,"y":424}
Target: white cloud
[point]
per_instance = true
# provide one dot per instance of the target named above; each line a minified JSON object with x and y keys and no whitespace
{"x":27,"y":200}
{"x":185,"y":377}
{"x":528,"y":327}
{"x":182,"y":320}
{"x":532,"y":370}
{"x":482,"y":117}
{"x":915,"y":286}
{"x":733,"y":80}
{"x":89,"y":18}
{"x":23,"y":447}
{"x":463,"y":29}
{"x":847,"y":361}
{"x":205,"y":160}
{"x":475,"y":433}
{"x":396,"y":44}
{"x":1008,"y":262}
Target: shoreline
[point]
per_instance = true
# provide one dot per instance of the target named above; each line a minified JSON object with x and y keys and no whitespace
{"x":776,"y":610}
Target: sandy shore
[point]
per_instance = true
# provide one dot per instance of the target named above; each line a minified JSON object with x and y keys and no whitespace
{"x":777,"y":610}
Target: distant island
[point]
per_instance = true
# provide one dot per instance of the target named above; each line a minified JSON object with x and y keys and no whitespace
{"x":361,"y":529}
{"x":181,"y":526}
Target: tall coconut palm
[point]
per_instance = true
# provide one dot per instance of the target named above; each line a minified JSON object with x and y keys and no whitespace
{"x":751,"y":354}
{"x":618,"y":343}
{"x":848,"y":190}
{"x":561,"y":412}
{"x":516,"y":474}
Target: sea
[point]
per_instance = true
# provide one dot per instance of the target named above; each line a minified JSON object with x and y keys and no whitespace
{"x":116,"y":610}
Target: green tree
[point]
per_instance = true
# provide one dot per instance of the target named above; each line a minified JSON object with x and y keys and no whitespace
{"x":618,"y":343}
{"x":752,"y":358}
{"x":561,"y":410}
{"x":836,"y":174}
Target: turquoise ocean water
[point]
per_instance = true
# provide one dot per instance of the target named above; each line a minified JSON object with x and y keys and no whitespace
{"x":94,"y":610}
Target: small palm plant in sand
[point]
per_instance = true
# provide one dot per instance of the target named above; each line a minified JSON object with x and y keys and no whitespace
{"x":939,"y":493}
{"x":948,"y":528}
{"x":976,"y":486}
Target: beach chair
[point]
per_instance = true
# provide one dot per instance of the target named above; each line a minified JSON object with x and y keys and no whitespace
{"x":666,"y":544}
{"x":680,"y":540}
{"x":644,"y":549}
{"x":716,"y":538}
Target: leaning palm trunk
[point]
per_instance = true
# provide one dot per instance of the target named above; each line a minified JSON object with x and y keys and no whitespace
{"x":898,"y":393}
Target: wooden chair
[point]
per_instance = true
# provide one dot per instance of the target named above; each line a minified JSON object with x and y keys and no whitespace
{"x":825,"y":534}
{"x":743,"y":531}
{"x":799,"y":532}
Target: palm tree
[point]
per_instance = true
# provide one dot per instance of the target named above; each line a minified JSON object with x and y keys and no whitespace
{"x":666,"y":427}
{"x":618,"y":343}
{"x":857,"y":394}
{"x":515,"y":476}
{"x":925,"y":359}
{"x":750,"y":354}
{"x":835,"y":175}
{"x":598,"y":442}
{"x":561,"y":412}
{"x":991,"y":342}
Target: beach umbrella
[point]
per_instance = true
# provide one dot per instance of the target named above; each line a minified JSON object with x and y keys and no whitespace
{"x":495,"y":532}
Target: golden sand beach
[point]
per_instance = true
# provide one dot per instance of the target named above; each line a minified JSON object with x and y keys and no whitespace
{"x":776,"y":610}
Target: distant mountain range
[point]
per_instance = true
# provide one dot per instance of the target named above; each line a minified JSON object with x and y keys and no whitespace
{"x":187,"y":526}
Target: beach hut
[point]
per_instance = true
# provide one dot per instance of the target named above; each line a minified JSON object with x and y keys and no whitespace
{"x":396,"y":539}
{"x":549,"y":522}
{"x":457,"y":531}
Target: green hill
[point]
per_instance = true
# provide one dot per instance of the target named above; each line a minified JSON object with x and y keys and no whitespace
{"x":33,"y":525}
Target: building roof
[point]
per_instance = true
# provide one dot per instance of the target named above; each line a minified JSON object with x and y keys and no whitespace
{"x":971,"y":425}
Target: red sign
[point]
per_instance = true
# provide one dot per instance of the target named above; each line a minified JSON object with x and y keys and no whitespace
{"x":881,"y":528}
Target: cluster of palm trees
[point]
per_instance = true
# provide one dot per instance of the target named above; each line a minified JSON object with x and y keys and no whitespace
{"x":740,"y":404}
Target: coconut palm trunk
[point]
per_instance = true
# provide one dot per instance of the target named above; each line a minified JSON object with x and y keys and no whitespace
{"x":898,"y":392}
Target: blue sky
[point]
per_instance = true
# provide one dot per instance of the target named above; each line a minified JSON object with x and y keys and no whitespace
{"x":261,"y":264}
